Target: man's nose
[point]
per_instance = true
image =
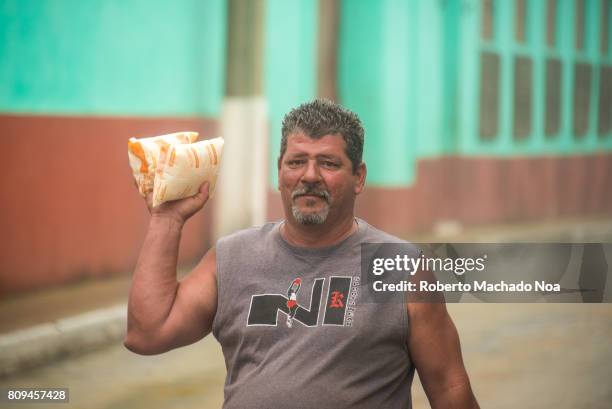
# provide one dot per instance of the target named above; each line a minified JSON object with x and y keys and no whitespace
{"x":312,"y":172}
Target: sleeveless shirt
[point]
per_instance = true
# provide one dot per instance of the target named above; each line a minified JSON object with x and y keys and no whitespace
{"x":297,"y":330}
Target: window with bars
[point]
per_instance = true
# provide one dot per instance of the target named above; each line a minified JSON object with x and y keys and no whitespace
{"x":489,"y":95}
{"x":551,"y":23}
{"x":604,"y":31}
{"x":487,"y":20}
{"x":579,"y":17}
{"x":520,"y":20}
{"x":604,"y":127}
{"x":582,"y":97}
{"x":522,"y":97}
{"x":587,"y":114}
{"x":552,"y":117}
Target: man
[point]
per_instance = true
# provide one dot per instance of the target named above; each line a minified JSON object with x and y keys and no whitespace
{"x":338,"y":349}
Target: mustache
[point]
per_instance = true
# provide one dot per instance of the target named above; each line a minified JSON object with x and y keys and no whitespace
{"x":310,"y":191}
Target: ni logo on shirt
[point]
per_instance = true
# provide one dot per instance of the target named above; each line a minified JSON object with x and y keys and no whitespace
{"x":339,"y":306}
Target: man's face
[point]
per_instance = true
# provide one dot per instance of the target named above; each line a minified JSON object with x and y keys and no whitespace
{"x":316,"y":179}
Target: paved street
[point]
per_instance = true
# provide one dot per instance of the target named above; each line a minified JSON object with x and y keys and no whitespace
{"x":114,"y":378}
{"x":531,"y":355}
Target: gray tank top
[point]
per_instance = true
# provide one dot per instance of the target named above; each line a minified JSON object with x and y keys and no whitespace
{"x":297,"y":330}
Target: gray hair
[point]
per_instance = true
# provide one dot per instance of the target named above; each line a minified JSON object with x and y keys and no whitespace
{"x":323,"y":117}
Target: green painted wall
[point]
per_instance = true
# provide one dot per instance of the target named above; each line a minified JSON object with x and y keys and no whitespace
{"x":537,"y":51}
{"x":290,"y":64}
{"x":411,"y":69}
{"x":376,"y":74}
{"x":394,"y":73}
{"x":112,"y":57}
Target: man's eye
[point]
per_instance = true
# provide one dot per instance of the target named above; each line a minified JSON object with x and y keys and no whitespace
{"x":295,"y":162}
{"x":330,"y":164}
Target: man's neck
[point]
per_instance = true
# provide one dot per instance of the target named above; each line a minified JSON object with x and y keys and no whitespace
{"x":317,"y":235}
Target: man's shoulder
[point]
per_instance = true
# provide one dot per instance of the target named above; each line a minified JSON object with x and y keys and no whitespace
{"x":249,"y":235}
{"x":377,"y":236}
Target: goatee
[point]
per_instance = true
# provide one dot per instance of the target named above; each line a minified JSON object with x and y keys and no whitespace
{"x":311,"y":218}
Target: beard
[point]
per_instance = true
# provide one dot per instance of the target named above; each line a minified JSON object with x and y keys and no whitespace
{"x":312,"y":217}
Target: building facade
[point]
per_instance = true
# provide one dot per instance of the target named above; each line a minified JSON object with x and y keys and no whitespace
{"x":476,"y":111}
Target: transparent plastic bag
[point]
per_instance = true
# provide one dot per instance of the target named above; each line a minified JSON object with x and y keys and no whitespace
{"x":185,"y":167}
{"x":145,"y":153}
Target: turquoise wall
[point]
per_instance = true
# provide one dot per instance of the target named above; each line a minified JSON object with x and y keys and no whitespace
{"x":391,"y":73}
{"x":538,"y":52}
{"x":375,"y":77}
{"x":411,"y":69}
{"x":290,"y":64}
{"x":112,"y":57}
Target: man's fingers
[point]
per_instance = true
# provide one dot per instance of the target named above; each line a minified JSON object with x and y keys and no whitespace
{"x":149,"y":200}
{"x":203,"y":191}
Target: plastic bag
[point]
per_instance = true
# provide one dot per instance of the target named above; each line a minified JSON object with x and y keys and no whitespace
{"x":183,"y":169}
{"x":144,"y":154}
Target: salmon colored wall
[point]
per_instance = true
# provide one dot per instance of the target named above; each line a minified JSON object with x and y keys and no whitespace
{"x":70,"y":209}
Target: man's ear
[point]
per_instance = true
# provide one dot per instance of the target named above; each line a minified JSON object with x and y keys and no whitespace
{"x":360,"y":173}
{"x":278,"y":164}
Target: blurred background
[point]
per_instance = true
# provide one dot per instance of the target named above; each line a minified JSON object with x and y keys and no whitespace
{"x":485,"y":120}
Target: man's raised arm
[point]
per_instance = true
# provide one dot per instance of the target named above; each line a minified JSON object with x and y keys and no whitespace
{"x":163,"y":313}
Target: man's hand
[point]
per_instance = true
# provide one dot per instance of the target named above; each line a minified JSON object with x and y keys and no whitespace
{"x":179,"y":210}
